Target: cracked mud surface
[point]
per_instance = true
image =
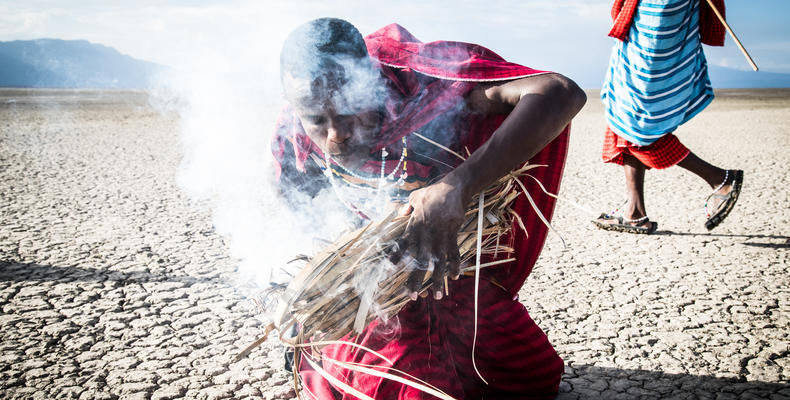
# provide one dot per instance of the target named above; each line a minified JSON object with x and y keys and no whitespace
{"x":114,"y":285}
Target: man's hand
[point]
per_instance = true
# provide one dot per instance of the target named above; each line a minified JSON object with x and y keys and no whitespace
{"x":430,"y":242}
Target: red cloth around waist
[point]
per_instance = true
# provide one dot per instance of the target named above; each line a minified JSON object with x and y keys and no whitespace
{"x":663,"y":153}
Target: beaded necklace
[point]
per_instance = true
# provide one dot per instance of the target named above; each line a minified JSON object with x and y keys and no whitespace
{"x":383,"y":177}
{"x":382,"y":183}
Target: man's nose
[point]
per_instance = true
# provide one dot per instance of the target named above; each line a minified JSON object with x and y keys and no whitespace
{"x":337,"y":132}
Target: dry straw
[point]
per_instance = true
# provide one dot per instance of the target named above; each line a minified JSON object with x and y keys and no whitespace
{"x":325,"y":301}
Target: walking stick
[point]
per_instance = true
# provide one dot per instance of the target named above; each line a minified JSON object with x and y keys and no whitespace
{"x":729,"y":30}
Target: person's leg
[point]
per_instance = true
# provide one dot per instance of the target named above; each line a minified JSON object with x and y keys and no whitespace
{"x":711,"y":174}
{"x":635,"y":186}
{"x":634,"y":212}
{"x":725,"y":183}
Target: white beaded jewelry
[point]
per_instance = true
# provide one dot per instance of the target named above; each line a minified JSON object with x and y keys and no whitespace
{"x":383,"y":177}
{"x":381,"y":183}
{"x":726,"y":178}
{"x":630,"y":221}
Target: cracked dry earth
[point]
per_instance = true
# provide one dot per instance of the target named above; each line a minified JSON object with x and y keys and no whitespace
{"x":114,"y":285}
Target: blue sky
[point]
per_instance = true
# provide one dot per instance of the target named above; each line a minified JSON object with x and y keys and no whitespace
{"x":567,"y":36}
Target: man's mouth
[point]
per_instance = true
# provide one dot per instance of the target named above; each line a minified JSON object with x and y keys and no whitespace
{"x":350,"y":158}
{"x":349,"y":151}
{"x":340,"y":155}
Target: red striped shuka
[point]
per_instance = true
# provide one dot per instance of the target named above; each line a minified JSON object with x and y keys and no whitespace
{"x":433,"y":342}
{"x":663,"y":153}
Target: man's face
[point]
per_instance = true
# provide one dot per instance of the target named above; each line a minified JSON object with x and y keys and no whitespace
{"x":344,"y":124}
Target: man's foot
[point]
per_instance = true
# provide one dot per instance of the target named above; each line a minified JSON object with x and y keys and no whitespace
{"x":621,"y":224}
{"x":719,"y":203}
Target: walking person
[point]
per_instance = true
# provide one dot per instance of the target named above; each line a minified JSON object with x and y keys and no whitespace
{"x":658,"y":80}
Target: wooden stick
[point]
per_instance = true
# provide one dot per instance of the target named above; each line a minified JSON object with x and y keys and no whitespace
{"x":729,"y":30}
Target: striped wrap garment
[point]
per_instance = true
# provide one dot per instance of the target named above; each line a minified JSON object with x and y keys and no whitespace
{"x":658,"y":76}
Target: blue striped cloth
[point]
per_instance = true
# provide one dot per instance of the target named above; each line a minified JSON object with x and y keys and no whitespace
{"x":658,"y":79}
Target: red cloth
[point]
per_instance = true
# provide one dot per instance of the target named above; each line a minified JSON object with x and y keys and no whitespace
{"x":710,"y":27}
{"x":622,"y":15}
{"x":394,"y":46}
{"x":434,"y":345}
{"x":401,"y":55}
{"x":663,"y":153}
{"x":434,"y":342}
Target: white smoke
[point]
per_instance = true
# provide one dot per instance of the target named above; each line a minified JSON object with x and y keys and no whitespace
{"x":228,"y":97}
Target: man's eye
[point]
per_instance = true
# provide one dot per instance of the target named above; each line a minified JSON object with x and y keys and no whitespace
{"x":315,"y":120}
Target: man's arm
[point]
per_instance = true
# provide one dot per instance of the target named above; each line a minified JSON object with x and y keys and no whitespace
{"x":539,"y":108}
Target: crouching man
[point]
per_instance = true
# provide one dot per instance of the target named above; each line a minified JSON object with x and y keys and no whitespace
{"x":383,"y":115}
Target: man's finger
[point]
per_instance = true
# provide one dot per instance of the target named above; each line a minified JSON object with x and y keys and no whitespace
{"x":453,"y":258}
{"x":439,"y":272}
{"x":424,"y":251}
{"x":396,"y":252}
{"x":414,"y":283}
{"x":408,"y":242}
{"x":419,"y":264}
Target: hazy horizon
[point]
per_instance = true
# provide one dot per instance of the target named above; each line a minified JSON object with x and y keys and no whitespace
{"x":567,"y":36}
{"x":721,"y":77}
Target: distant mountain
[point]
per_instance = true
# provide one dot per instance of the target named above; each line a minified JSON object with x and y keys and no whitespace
{"x":55,"y":63}
{"x":720,"y":78}
{"x":729,"y":78}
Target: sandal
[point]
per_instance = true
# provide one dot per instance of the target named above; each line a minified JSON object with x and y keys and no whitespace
{"x":727,"y":201}
{"x":626,"y":225}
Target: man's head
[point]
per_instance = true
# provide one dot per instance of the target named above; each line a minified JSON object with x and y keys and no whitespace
{"x":328,"y":78}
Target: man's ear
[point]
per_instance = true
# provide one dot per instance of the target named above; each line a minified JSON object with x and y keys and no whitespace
{"x":294,"y":88}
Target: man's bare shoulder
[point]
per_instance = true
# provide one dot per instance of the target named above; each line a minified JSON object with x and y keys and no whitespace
{"x":500,"y":97}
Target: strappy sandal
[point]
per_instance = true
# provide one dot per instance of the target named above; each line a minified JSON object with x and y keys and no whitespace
{"x":626,"y":225}
{"x":726,"y":201}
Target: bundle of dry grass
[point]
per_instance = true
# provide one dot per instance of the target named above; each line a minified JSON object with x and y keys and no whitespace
{"x":326,"y":304}
{"x":351,"y":282}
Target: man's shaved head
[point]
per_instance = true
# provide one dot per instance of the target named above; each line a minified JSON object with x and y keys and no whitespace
{"x":334,"y":88}
{"x":323,"y":49}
